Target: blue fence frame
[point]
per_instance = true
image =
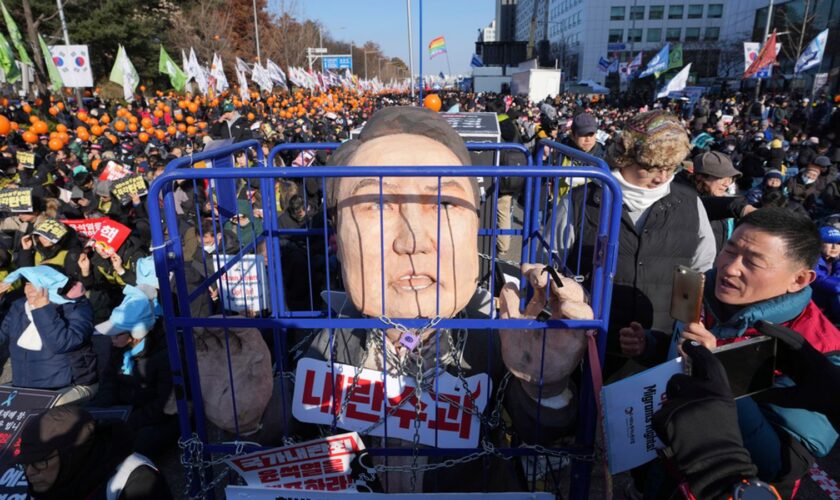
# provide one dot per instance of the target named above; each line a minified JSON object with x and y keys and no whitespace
{"x":168,"y":256}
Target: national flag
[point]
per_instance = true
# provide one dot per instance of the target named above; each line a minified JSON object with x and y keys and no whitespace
{"x":7,"y":61}
{"x":437,"y":47}
{"x":197,"y":72}
{"x":636,"y":63}
{"x":613,"y":68}
{"x":603,"y":65}
{"x":659,"y":63}
{"x":217,"y":71}
{"x":52,"y":71}
{"x":276,"y":73}
{"x":177,"y":77}
{"x":123,"y":73}
{"x":677,"y":83}
{"x":14,"y":34}
{"x":813,"y":54}
{"x":476,"y":61}
{"x":766,"y":56}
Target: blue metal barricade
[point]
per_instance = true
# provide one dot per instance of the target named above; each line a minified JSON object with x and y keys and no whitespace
{"x":232,"y":267}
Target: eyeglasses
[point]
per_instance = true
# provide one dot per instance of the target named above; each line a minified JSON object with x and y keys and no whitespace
{"x":41,"y":465}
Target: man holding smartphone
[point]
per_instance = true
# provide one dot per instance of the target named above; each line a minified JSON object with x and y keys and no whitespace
{"x":763,"y":273}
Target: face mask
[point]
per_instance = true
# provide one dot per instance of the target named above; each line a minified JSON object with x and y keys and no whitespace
{"x":807,"y":180}
{"x":730,"y":148}
{"x":210,"y":248}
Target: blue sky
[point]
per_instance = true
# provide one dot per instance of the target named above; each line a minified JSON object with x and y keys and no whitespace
{"x":384,"y":22}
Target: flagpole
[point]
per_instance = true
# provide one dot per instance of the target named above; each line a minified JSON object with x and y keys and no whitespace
{"x":77,"y":91}
{"x":448,"y":67}
{"x":257,"y":33}
{"x":766,"y":34}
{"x":420,"y":62}
{"x":410,"y":49}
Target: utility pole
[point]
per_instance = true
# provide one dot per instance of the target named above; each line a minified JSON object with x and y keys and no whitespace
{"x":256,"y":33}
{"x":78,"y":92}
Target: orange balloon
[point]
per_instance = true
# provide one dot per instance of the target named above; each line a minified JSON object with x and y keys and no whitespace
{"x":33,"y":119}
{"x":182,"y":127}
{"x":27,"y":108}
{"x":202,"y":125}
{"x":142,"y":88}
{"x":171,"y":130}
{"x":132,"y":118}
{"x":65,"y":137}
{"x":83,"y":134}
{"x":190,"y":120}
{"x":56,"y":144}
{"x":251,"y":116}
{"x":96,"y":130}
{"x":82,"y":115}
{"x":60,"y":106}
{"x":61,"y":127}
{"x":191,"y":130}
{"x":132,"y":127}
{"x":122,"y":112}
{"x":167,"y":109}
{"x":15,"y":126}
{"x":179,"y":116}
{"x":30,"y":137}
{"x":105,"y":119}
{"x":119,"y":126}
{"x":5,"y":125}
{"x":112,"y":138}
{"x":40,"y":128}
{"x":432,"y":101}
{"x":144,"y":137}
{"x":146,"y":122}
{"x":158,"y":113}
{"x":53,"y":110}
{"x":160,"y":134}
{"x":193,"y":107}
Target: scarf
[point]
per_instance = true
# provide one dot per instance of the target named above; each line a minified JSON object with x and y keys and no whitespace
{"x":639,"y":199}
{"x":128,"y":357}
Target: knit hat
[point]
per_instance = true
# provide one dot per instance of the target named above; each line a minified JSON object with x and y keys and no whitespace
{"x":774,"y":174}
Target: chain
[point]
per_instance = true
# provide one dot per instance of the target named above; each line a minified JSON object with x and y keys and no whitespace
{"x":194,"y":464}
{"x":418,"y":393}
{"x":497,"y":259}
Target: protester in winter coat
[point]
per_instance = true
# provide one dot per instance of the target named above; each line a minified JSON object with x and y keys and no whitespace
{"x":48,"y":332}
{"x":827,"y":284}
{"x":66,"y":454}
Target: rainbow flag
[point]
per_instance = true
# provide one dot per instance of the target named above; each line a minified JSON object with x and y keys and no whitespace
{"x":437,"y":47}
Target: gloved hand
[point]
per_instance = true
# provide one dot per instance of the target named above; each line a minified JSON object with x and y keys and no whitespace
{"x":699,"y":425}
{"x":817,"y":378}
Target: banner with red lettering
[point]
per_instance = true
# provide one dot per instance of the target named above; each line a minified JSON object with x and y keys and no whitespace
{"x":448,"y":418}
{"x":321,"y":464}
{"x":113,"y":171}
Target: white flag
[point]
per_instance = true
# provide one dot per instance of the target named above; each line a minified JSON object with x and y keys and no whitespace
{"x":244,"y":94}
{"x":123,"y":73}
{"x":185,"y":63}
{"x":813,"y":54}
{"x":275,"y":73}
{"x":197,"y":72}
{"x":677,"y":83}
{"x":242,"y":66}
{"x":217,"y":71}
{"x":261,"y":77}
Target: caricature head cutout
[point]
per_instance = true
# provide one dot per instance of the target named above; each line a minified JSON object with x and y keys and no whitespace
{"x":410,"y":242}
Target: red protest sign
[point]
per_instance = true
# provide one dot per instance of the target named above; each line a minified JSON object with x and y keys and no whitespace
{"x":111,"y":234}
{"x":85,"y":227}
{"x":113,"y":171}
{"x":321,"y":464}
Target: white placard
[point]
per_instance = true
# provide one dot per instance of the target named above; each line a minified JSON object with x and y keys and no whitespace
{"x":447,"y":419}
{"x":243,"y":287}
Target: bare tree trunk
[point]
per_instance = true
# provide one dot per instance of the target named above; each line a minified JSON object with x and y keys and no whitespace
{"x":37,"y":58}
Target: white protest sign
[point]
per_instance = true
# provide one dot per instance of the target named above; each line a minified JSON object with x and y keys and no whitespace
{"x":628,"y":406}
{"x":73,"y":62}
{"x":321,"y":464}
{"x":250,"y":493}
{"x":243,"y":286}
{"x":447,"y":419}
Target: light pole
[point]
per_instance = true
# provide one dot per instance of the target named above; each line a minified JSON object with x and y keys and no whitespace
{"x":410,"y":50}
{"x":256,"y":32}
{"x":78,"y":91}
{"x":366,"y":54}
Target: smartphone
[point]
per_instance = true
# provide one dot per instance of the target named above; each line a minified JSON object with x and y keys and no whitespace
{"x":687,"y":295}
{"x":750,"y":365}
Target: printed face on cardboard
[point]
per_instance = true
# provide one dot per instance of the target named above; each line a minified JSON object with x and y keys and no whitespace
{"x":403,"y":233}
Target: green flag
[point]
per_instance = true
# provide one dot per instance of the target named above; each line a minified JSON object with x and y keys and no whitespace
{"x":52,"y":71}
{"x":124,"y":74}
{"x":167,"y":66}
{"x":7,"y":61}
{"x":14,"y":33}
{"x":675,"y":58}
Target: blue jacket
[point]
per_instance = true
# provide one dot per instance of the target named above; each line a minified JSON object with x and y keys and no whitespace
{"x":827,"y":286}
{"x":812,"y":429}
{"x":66,"y":356}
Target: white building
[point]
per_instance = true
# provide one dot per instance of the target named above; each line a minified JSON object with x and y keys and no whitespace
{"x":488,"y":34}
{"x":583,"y":31}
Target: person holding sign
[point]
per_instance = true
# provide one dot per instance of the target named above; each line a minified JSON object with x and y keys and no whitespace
{"x":49,"y":335}
{"x":53,"y":244}
{"x":436,"y":360}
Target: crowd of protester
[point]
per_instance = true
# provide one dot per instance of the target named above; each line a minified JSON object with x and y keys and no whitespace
{"x":745,"y":190}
